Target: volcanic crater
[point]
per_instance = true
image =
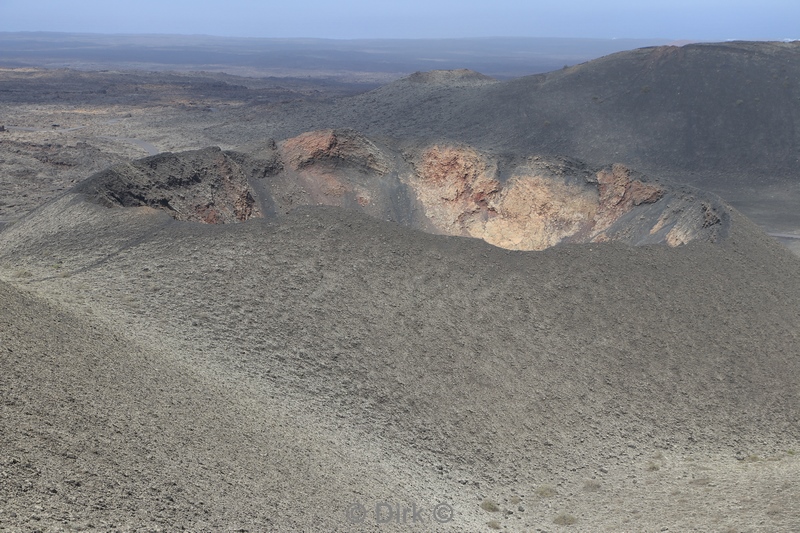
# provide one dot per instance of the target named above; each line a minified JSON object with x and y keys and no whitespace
{"x":519,"y":203}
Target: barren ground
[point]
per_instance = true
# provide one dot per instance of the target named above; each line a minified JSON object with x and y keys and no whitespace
{"x":278,"y":375}
{"x":274,"y":375}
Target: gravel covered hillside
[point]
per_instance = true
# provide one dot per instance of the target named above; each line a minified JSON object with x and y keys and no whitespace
{"x":332,"y":359}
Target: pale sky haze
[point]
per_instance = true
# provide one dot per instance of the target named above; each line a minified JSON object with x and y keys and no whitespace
{"x":714,"y":20}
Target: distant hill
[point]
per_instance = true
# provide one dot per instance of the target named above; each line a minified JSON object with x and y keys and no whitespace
{"x":728,"y":107}
{"x":722,"y":116}
{"x":717,"y":116}
{"x":383,"y":59}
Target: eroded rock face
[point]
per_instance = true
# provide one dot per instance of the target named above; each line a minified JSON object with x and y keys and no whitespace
{"x":328,"y":167}
{"x":206,"y":186}
{"x":618,"y":193}
{"x":462,"y":195}
{"x":455,"y":185}
{"x":542,"y":203}
{"x":333,"y":148}
{"x":535,"y":212}
{"x":684,"y":228}
{"x":521,"y":204}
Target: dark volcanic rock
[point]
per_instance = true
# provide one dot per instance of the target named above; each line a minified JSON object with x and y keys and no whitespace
{"x":527,"y":204}
{"x":523,"y":204}
{"x":204,"y":186}
{"x":727,"y":107}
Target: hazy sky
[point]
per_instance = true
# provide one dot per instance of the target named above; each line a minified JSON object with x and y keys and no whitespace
{"x":671,"y":19}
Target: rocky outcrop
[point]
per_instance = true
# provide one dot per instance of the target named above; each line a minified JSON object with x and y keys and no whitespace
{"x":455,"y":185}
{"x":333,"y":149}
{"x":452,"y":189}
{"x":618,"y":193}
{"x":462,"y":194}
{"x":207,"y":186}
{"x":328,"y":167}
{"x":545,"y":201}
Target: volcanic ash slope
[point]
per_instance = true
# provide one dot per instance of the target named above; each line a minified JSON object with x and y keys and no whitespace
{"x":269,"y":374}
{"x":718,"y":116}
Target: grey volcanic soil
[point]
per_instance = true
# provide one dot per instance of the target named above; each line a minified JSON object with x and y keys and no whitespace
{"x":273,"y":374}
